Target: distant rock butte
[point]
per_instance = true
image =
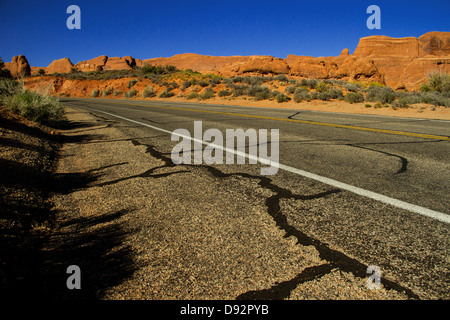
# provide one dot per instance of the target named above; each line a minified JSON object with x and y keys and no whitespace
{"x":60,"y":66}
{"x":396,"y":62}
{"x":107,"y":63}
{"x":18,"y":66}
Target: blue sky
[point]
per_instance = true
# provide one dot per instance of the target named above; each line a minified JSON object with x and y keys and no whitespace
{"x":149,"y":29}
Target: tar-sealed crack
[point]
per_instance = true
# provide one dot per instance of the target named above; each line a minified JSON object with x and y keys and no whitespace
{"x":403,"y":160}
{"x":335,"y":259}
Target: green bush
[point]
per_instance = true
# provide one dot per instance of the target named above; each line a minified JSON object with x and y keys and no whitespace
{"x":259,"y":92}
{"x":207,"y":94}
{"x":435,"y":98}
{"x":282,"y":98}
{"x":400,"y":103}
{"x":192,"y":95}
{"x":130,"y":93}
{"x":335,"y":93}
{"x":131,"y":83}
{"x":239,"y":89}
{"x":322,"y":87}
{"x":290,"y":89}
{"x":352,"y":87}
{"x":354,"y":97}
{"x":157,"y":70}
{"x":224,"y":93}
{"x":166,"y":94}
{"x":106,"y":92}
{"x":186,"y":84}
{"x":148,"y":92}
{"x":301,"y":94}
{"x":203,"y":83}
{"x":95,"y":93}
{"x":310,"y":83}
{"x":440,"y":83}
{"x":44,"y":109}
{"x":380,"y":94}
{"x":116,"y":92}
{"x":9,"y":87}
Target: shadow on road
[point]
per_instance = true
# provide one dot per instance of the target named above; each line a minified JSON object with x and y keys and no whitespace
{"x":35,"y":247}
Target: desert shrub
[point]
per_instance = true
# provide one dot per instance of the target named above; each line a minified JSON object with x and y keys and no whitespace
{"x":435,"y":98}
{"x":253,"y":81}
{"x":282,"y":98}
{"x":354,"y":97}
{"x":368,"y":105}
{"x":290,"y":89}
{"x":130,"y":93}
{"x":237,"y":79}
{"x":116,"y":92}
{"x":224,"y":93}
{"x":166,"y":94}
{"x":410,"y":97}
{"x":400,"y":103}
{"x":148,"y":92}
{"x":227,"y":81}
{"x":41,"y":71}
{"x":95,"y":93}
{"x":106,"y":92}
{"x":352,"y":87}
{"x":131,"y":83}
{"x":215,"y":80}
{"x":301,"y":94}
{"x":170,"y":69}
{"x":186,"y":84}
{"x":335,"y":93}
{"x":239,"y":89}
{"x":322,"y":87}
{"x":310,"y":83}
{"x":282,"y":77}
{"x":203,"y":83}
{"x":207,"y":94}
{"x":8,"y":87}
{"x":424,"y":87}
{"x":44,"y":109}
{"x":321,"y":96}
{"x":378,"y":105}
{"x":192,"y":95}
{"x":440,"y":83}
{"x":5,"y":73}
{"x":157,"y":70}
{"x":380,"y":94}
{"x":259,"y":92}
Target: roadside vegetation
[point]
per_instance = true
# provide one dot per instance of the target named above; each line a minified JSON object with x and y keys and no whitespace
{"x":279,"y":88}
{"x":41,"y":108}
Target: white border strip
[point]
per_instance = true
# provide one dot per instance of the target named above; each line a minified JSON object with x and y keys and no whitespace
{"x":362,"y":192}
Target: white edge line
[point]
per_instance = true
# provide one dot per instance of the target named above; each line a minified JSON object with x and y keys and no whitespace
{"x":341,"y":185}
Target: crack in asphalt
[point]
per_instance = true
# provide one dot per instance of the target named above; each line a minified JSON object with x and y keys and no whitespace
{"x":335,"y":258}
{"x":403,"y":160}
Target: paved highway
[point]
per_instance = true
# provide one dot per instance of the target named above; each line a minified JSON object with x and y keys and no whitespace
{"x":361,"y":189}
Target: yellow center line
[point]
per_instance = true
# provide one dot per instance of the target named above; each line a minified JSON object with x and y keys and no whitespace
{"x":326,"y":124}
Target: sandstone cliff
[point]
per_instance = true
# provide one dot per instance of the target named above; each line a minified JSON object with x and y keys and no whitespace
{"x":60,"y":66}
{"x":18,"y":66}
{"x":407,"y":62}
{"x":397,"y":62}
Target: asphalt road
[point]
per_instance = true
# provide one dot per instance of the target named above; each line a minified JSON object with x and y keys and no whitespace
{"x":362,"y":190}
